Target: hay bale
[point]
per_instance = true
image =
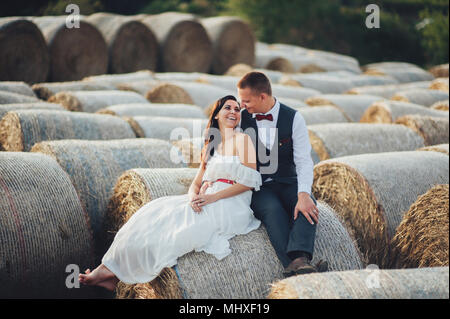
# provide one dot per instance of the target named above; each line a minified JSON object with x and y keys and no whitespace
{"x":46,"y":90}
{"x":401,"y":71}
{"x":421,"y":239}
{"x":166,"y":128}
{"x":319,"y":115}
{"x":21,"y":129}
{"x":227,"y":82}
{"x":359,"y":80}
{"x":114,"y":79}
{"x":440,"y":105}
{"x":185,"y":92}
{"x":274,"y":76}
{"x":425,"y":97}
{"x":18,"y":87}
{"x":390,"y":111}
{"x":268,"y":59}
{"x":154,"y":109}
{"x":434,"y":130}
{"x":143,"y":87}
{"x":294,"y":103}
{"x":24,"y":55}
{"x":92,"y":101}
{"x":388,"y":90}
{"x":184,"y":45}
{"x":191,"y":150}
{"x":425,"y":283}
{"x":43,"y":229}
{"x":352,"y":106}
{"x":372,"y":191}
{"x":94,"y":166}
{"x":343,"y":139}
{"x":233,"y":42}
{"x":74,"y":52}
{"x":137,"y":187}
{"x":10,"y":98}
{"x":239,"y":70}
{"x":321,"y":82}
{"x":179,"y":76}
{"x":439,"y":70}
{"x":5,"y":108}
{"x":440,"y":84}
{"x":132,"y":46}
{"x":297,"y":93}
{"x":443,"y":148}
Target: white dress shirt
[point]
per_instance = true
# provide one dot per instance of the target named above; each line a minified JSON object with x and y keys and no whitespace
{"x":301,"y":146}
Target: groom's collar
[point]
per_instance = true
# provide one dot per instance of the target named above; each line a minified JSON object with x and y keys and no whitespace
{"x":273,"y":110}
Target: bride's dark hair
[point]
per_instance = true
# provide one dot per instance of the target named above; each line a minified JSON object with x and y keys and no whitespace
{"x":212,"y":133}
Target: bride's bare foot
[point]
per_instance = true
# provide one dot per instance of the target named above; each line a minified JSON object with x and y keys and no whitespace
{"x":100,"y":276}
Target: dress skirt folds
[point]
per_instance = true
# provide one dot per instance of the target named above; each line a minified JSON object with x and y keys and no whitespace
{"x":167,"y":228}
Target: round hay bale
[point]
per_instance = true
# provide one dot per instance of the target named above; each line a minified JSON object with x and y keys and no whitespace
{"x":425,"y":97}
{"x":372,"y":191}
{"x":10,"y":98}
{"x":18,"y":87}
{"x":24,"y":55}
{"x":143,"y":87}
{"x":223,"y":81}
{"x":132,"y":46}
{"x":421,"y":239}
{"x":443,"y":148}
{"x":239,"y":70}
{"x":5,"y":108}
{"x":43,"y":229}
{"x":94,"y":166}
{"x":440,"y":84}
{"x":179,"y":76}
{"x":353,"y":106}
{"x":319,"y":115}
{"x":137,"y":187}
{"x":343,"y":139}
{"x":402,"y":72}
{"x":167,"y":128}
{"x":169,"y":93}
{"x":439,"y":71}
{"x":201,"y":94}
{"x":21,"y":129}
{"x":359,"y":80}
{"x":191,"y":149}
{"x":322,"y":83}
{"x":46,"y":90}
{"x":268,"y":59}
{"x":388,"y":90}
{"x":114,"y":79}
{"x":74,"y":52}
{"x":440,"y":105}
{"x":390,"y":111}
{"x":434,"y":130}
{"x":297,"y":93}
{"x":154,"y":109}
{"x":92,"y":101}
{"x":274,"y":76}
{"x":233,"y":42}
{"x":424,"y":283}
{"x":184,"y":44}
{"x":292,"y":102}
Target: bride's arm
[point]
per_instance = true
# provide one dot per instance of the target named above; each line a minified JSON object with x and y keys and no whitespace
{"x":194,"y":189}
{"x":247,"y":156}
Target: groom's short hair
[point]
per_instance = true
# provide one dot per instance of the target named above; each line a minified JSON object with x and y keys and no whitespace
{"x":257,"y":82}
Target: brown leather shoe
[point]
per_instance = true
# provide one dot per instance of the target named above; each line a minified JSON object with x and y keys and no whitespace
{"x":299,"y":266}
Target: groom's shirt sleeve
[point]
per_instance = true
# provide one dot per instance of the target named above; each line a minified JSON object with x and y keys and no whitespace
{"x":304,"y":164}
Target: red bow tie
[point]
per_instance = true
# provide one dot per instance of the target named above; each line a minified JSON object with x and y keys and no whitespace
{"x":260,"y":117}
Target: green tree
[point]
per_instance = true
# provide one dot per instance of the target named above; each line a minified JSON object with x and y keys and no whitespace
{"x":434,"y":36}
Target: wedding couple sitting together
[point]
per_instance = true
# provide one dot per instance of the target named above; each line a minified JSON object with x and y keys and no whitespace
{"x":243,"y":180}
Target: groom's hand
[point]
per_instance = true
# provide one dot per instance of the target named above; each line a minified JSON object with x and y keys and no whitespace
{"x":306,"y":206}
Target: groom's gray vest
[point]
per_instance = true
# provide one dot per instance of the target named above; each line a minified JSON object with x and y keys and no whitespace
{"x":280,"y":159}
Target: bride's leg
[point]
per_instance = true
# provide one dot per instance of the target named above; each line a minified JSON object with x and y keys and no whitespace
{"x":98,"y":275}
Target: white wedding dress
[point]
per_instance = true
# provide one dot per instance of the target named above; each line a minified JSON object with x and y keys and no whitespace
{"x":167,"y":228}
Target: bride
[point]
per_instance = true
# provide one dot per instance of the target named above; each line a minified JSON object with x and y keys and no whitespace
{"x":216,"y":208}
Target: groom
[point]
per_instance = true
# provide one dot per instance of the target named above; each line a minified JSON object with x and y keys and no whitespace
{"x":284,"y":202}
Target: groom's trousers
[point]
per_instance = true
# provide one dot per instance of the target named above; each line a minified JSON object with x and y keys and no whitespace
{"x":274,"y":205}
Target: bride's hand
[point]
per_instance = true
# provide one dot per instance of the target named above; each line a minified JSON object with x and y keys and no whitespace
{"x":204,"y":199}
{"x":205,"y":187}
{"x":194,"y":203}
